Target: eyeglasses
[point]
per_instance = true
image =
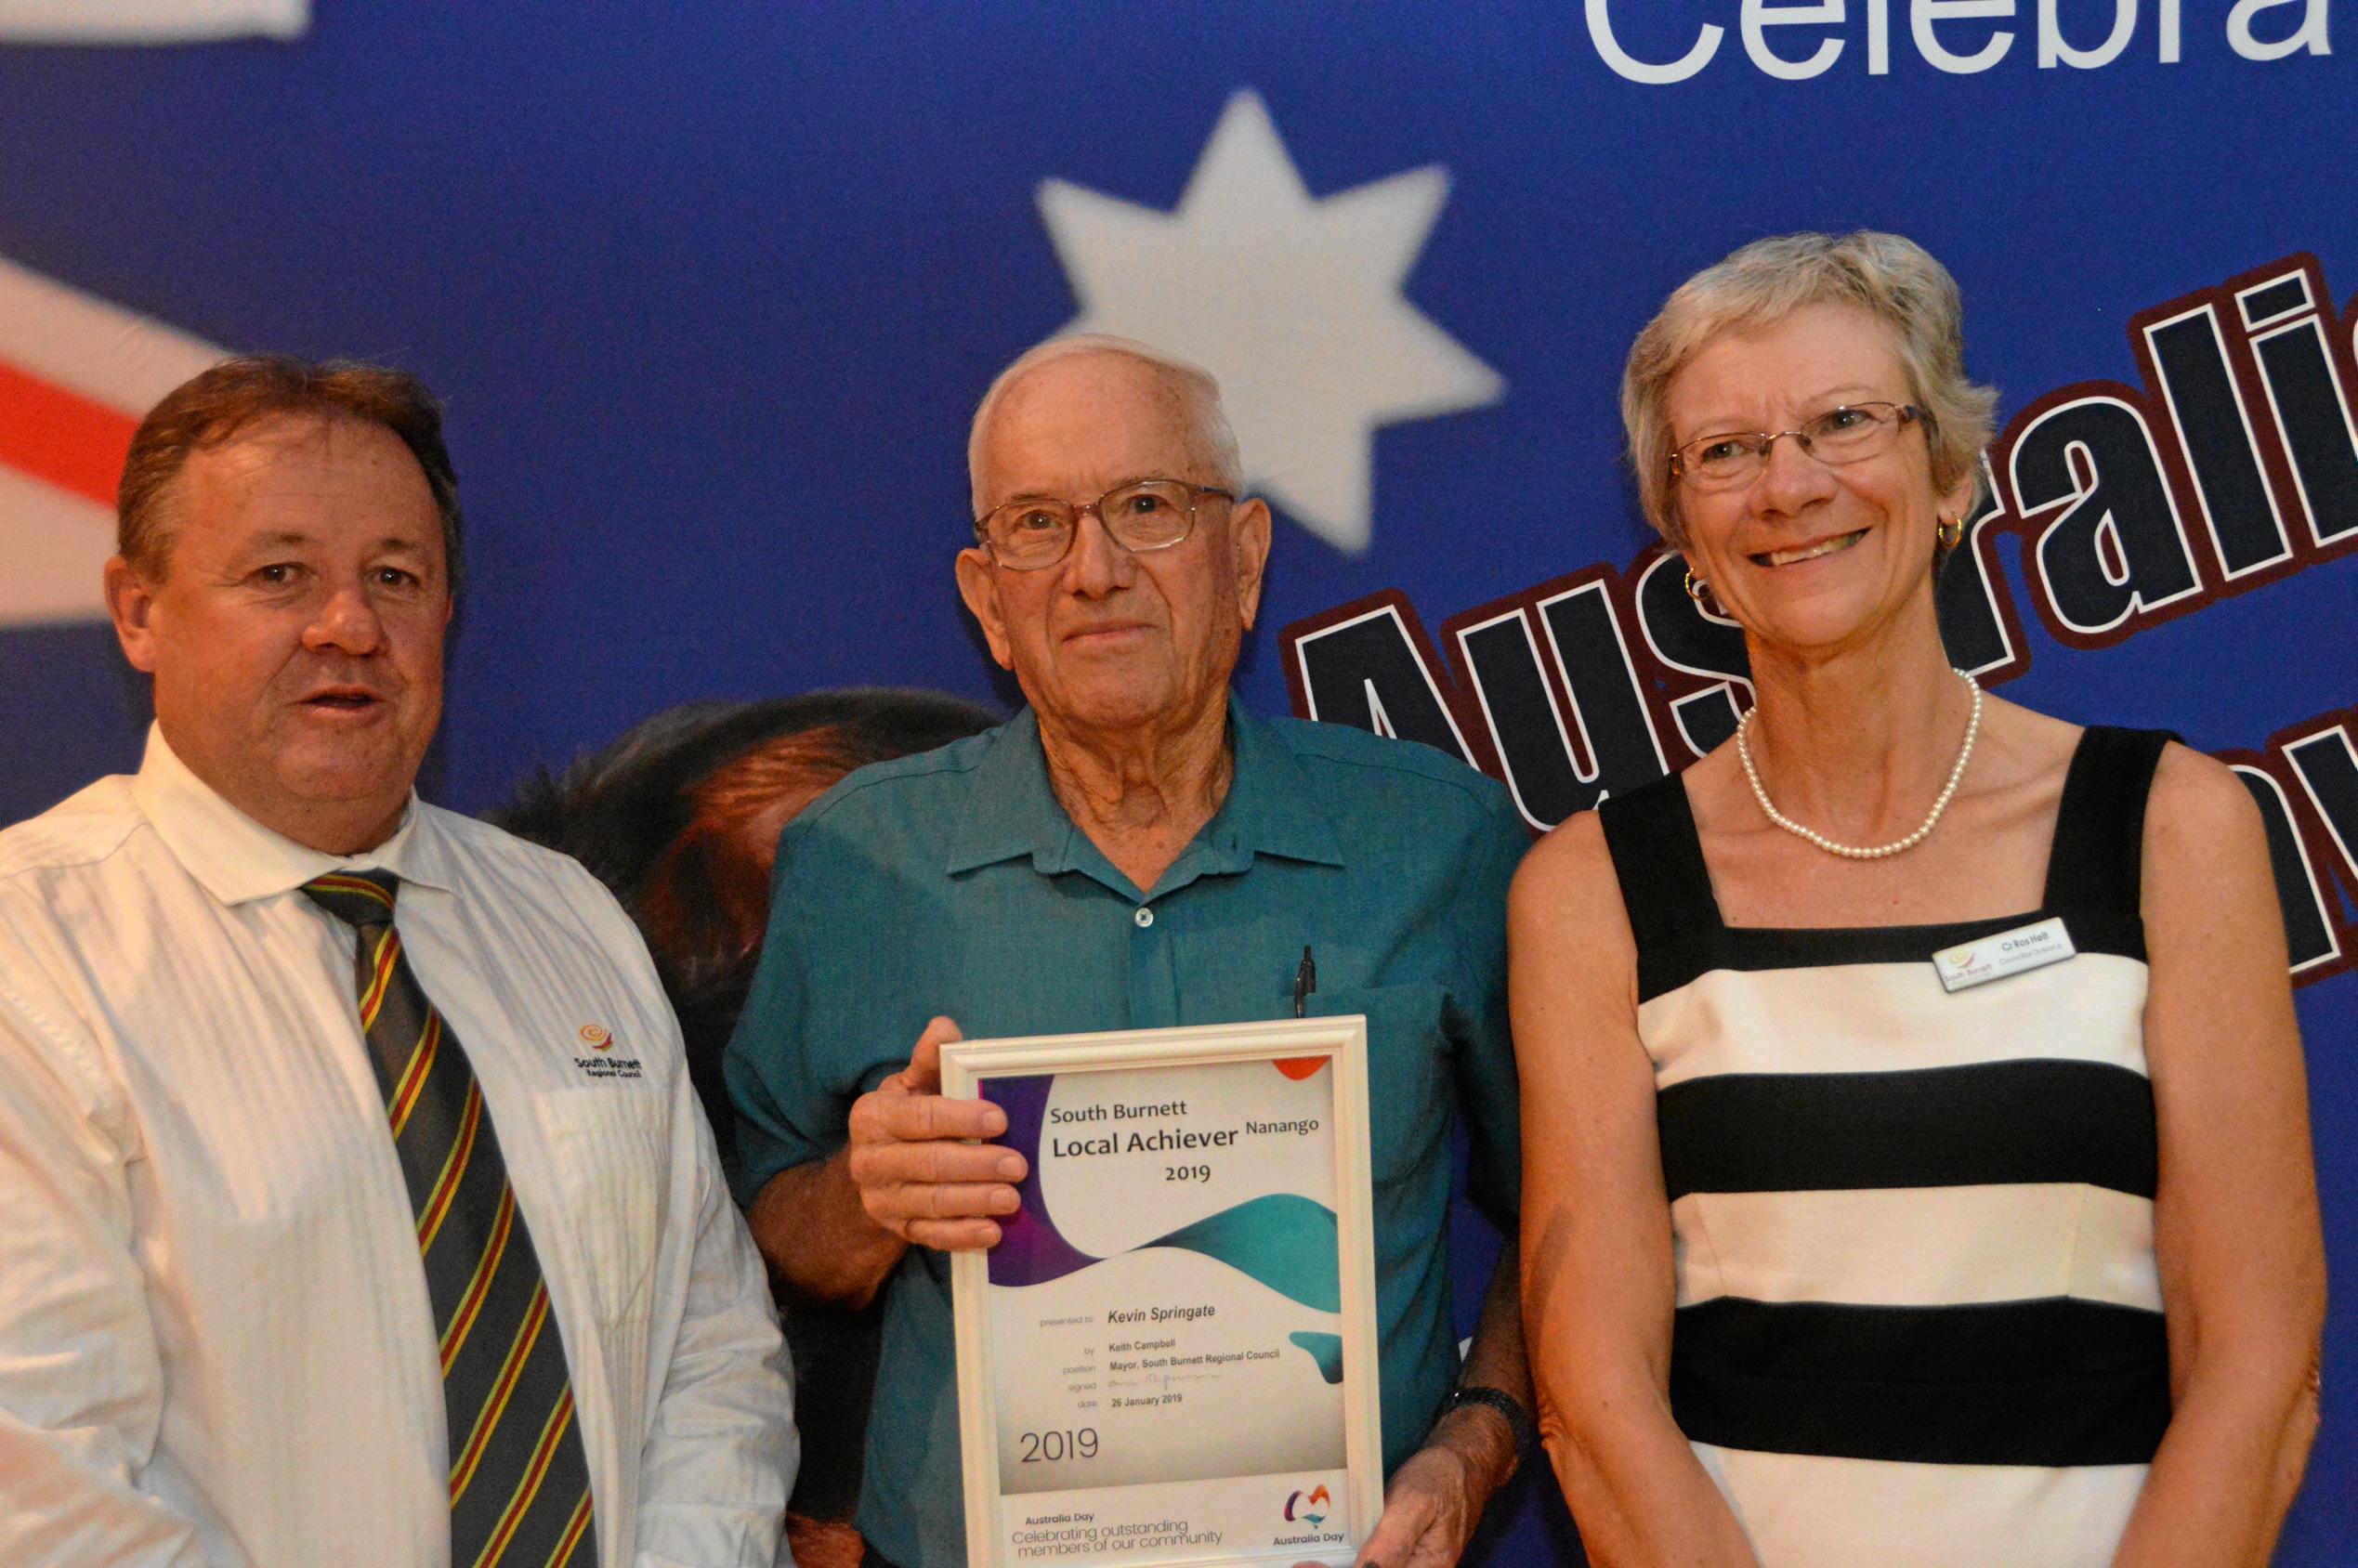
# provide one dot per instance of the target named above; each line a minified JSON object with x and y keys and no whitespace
{"x":1141,"y":516}
{"x":1847,"y":434}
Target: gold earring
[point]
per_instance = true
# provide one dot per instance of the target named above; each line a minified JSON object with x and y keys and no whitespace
{"x":1950,"y":533}
{"x":1700,"y":592}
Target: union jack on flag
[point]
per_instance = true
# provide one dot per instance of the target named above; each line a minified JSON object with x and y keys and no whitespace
{"x":76,"y":377}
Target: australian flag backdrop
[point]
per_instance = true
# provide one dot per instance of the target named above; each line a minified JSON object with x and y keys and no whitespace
{"x":711,"y":289}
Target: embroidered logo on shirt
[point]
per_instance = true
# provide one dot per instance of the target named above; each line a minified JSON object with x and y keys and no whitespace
{"x":601,"y":1063}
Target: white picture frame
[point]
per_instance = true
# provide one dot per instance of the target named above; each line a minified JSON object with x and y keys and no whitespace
{"x":1342,"y":1041}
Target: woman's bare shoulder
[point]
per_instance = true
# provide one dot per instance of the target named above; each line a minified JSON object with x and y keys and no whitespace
{"x":1567,"y":882}
{"x":2197,"y":801}
{"x":2192,"y":791}
{"x":1573,"y":844}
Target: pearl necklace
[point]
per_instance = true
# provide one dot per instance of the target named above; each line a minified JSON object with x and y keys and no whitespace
{"x":1853,"y":852}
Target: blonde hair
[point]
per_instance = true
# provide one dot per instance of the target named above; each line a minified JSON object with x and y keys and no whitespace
{"x":1208,"y":426}
{"x":1888,"y":275}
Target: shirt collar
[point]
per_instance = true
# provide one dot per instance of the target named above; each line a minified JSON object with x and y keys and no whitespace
{"x":1271,"y":807}
{"x":237,"y":860}
{"x":1011,"y":810}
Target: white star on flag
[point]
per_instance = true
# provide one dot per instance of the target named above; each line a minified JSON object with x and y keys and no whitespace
{"x":1291,"y":301}
{"x":149,"y":21}
{"x":76,"y":377}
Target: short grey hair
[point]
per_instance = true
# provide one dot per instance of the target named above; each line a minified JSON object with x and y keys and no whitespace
{"x":1891,"y":277}
{"x":1208,"y":426}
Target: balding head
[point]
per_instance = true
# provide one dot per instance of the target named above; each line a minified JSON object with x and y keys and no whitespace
{"x":1191,"y":401}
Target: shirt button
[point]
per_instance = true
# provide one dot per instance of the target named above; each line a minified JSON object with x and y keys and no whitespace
{"x":1144,"y":917}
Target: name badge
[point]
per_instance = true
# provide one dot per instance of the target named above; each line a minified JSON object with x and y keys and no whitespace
{"x":2009,"y":952}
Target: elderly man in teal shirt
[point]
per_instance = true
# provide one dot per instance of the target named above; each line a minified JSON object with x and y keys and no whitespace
{"x":1132,"y":850}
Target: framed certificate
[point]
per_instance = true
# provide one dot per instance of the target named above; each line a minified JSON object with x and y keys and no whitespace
{"x":1171,"y":1356}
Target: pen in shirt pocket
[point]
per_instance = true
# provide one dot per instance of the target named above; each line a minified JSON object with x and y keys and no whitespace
{"x":1305,"y":980}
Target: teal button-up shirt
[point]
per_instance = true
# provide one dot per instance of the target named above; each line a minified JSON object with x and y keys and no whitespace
{"x":953,"y":883}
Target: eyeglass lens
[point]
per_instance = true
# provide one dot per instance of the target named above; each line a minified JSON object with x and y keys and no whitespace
{"x":1150,"y":514}
{"x":1847,"y":434}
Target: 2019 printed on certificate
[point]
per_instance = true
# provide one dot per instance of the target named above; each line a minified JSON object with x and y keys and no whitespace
{"x":1170,"y":1356}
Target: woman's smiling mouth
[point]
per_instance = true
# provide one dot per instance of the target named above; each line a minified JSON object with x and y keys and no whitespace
{"x":1808,"y":551}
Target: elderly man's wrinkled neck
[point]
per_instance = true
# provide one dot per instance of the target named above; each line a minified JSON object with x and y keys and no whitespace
{"x":1143,"y":793}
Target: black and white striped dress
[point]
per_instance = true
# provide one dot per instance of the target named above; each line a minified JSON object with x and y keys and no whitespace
{"x":1919,"y":1318}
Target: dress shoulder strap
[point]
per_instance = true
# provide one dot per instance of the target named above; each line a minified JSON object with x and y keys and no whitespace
{"x":2097,"y":861}
{"x":1658,"y":861}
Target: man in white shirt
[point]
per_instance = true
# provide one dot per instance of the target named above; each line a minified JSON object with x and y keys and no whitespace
{"x":355,"y":1207}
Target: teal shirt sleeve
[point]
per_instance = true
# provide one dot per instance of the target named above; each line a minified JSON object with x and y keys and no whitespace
{"x":1483,"y":1055}
{"x":785,"y":1116}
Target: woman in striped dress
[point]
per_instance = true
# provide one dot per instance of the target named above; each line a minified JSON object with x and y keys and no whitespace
{"x":1916,"y":1160}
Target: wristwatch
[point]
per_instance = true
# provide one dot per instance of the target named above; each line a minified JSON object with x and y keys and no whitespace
{"x":1518,"y":1419}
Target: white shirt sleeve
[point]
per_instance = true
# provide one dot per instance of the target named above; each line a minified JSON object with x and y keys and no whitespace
{"x":81,"y":1379}
{"x":722,"y":1452}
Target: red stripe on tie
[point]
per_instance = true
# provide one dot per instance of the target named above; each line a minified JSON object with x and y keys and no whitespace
{"x":336,"y":881}
{"x":479,"y":1286}
{"x":438,"y":1205}
{"x":535,"y":1471}
{"x":405,"y":1093}
{"x":519,"y":1351}
{"x":573,"y":1534}
{"x":63,"y":437}
{"x":388,"y":952}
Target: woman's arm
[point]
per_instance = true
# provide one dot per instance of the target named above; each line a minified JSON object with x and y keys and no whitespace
{"x":2243,"y":1267}
{"x":1597,"y":1284}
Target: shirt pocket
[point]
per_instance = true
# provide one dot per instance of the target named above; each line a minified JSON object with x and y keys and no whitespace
{"x":1407,"y":1099}
{"x":611,"y":1150}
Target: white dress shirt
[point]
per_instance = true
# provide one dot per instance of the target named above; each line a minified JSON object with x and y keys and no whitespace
{"x":216,"y":1342}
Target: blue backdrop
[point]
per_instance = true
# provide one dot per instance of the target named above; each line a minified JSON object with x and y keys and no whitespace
{"x":710,"y":291}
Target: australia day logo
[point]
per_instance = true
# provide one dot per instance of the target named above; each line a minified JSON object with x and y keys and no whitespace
{"x":1298,"y":1507}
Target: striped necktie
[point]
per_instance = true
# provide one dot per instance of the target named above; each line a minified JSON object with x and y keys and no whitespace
{"x":519,"y":1484}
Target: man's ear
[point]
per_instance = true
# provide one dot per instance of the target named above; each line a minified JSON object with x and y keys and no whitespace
{"x":979,"y":585}
{"x":1249,"y":540}
{"x":131,"y":605}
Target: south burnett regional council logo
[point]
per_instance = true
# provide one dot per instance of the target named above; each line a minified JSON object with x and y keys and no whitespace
{"x":1316,"y":1499}
{"x":602,"y":1062}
